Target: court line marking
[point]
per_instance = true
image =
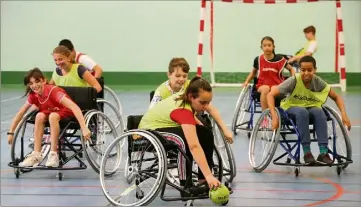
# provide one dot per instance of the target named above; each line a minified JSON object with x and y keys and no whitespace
{"x":10,"y":99}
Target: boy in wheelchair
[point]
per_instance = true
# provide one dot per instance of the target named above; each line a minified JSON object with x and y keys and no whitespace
{"x":178,"y":70}
{"x":307,"y":93}
{"x":176,"y":115}
{"x":53,"y":105}
{"x":269,"y":67}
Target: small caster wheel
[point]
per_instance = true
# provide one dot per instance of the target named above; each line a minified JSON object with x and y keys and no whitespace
{"x":17,"y":172}
{"x":339,"y":170}
{"x":249,"y":135}
{"x":288,"y":161}
{"x":297,"y":172}
{"x":139,"y":194}
{"x":60,"y":176}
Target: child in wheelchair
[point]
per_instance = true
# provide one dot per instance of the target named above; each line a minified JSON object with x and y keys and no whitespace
{"x":83,"y":59}
{"x":269,"y":67}
{"x":175,"y":115}
{"x":69,"y":73}
{"x":53,"y":105}
{"x":178,"y":70}
{"x":307,"y":93}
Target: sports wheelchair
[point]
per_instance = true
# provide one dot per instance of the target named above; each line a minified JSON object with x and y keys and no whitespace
{"x":229,"y":164}
{"x":340,"y":152}
{"x":248,"y":102}
{"x":147,"y":156}
{"x":70,"y":137}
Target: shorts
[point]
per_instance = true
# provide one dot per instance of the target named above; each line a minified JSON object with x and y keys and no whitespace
{"x":62,"y":113}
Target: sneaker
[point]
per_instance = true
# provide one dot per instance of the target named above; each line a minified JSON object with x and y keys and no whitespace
{"x":32,"y":160}
{"x":53,"y":160}
{"x":308,"y":158}
{"x":324,"y":158}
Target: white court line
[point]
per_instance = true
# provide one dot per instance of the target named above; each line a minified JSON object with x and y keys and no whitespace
{"x":10,"y":99}
{"x":357,"y":126}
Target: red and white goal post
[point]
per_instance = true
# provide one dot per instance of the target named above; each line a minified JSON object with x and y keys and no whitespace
{"x":340,"y":63}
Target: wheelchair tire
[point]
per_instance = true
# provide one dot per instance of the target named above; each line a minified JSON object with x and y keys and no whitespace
{"x":161,"y":162}
{"x":242,"y":105}
{"x":19,"y":131}
{"x":346,"y":139}
{"x":274,"y":142}
{"x":118,"y":123}
{"x":90,"y":117}
{"x":118,"y":105}
{"x":229,"y":164}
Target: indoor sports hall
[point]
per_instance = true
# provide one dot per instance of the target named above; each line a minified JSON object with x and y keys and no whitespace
{"x":133,"y":41}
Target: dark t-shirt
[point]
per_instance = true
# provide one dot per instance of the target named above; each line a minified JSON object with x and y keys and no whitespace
{"x":81,"y":71}
{"x":274,"y":59}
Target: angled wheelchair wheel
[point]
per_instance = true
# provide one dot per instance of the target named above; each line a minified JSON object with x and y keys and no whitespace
{"x":242,"y":107}
{"x":266,"y":139}
{"x":226,"y":153}
{"x":112,"y":97}
{"x":339,"y":140}
{"x":24,"y":140}
{"x":100,"y":139}
{"x":142,"y":171}
{"x":113,"y":113}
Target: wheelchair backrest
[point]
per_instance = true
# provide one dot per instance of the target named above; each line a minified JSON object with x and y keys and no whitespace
{"x":133,"y":121}
{"x":151,"y":95}
{"x":84,"y":97}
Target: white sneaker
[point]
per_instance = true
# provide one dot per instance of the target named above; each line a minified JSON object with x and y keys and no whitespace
{"x":53,"y":160}
{"x":31,"y":160}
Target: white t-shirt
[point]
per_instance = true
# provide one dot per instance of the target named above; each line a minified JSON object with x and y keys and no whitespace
{"x":85,"y":60}
{"x":312,"y":47}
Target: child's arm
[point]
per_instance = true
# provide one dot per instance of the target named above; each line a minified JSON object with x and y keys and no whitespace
{"x":90,"y":79}
{"x":77,"y":113}
{"x":291,"y":69}
{"x":251,"y":75}
{"x":217,"y":117}
{"x":341,"y":106}
{"x":17,"y":119}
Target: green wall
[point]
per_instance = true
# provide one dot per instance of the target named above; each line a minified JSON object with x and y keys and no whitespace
{"x":140,"y":36}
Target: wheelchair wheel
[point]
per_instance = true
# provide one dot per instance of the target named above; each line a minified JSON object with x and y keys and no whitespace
{"x":242,"y":107}
{"x":263,"y":129}
{"x":339,"y":142}
{"x":112,"y":112}
{"x":112,"y":97}
{"x":23,"y":141}
{"x":95,"y":147}
{"x":140,"y":177}
{"x":226,"y":153}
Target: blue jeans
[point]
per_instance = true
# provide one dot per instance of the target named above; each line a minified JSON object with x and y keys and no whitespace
{"x":302,"y":116}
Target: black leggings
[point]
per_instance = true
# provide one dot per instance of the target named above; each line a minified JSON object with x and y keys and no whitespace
{"x":206,"y":140}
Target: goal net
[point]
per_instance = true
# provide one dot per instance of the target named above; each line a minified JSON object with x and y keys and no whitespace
{"x":231,"y":32}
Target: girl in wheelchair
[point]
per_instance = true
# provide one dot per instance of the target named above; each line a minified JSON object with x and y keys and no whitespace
{"x":54,"y":105}
{"x":269,"y":67}
{"x":178,"y":70}
{"x":308,"y":93}
{"x":175,"y":115}
{"x":69,"y":73}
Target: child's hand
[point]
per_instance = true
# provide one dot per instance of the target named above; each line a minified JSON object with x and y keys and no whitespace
{"x":346,"y":122}
{"x":228,"y":135}
{"x":86,"y":133}
{"x":244,"y":85}
{"x":275,"y":123}
{"x":10,"y":139}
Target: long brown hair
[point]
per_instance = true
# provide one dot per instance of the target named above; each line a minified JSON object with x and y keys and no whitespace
{"x":196,"y":85}
{"x":33,"y":73}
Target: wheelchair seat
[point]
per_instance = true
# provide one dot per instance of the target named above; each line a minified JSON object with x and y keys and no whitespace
{"x":151,"y":94}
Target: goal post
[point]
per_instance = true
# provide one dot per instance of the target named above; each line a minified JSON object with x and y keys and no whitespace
{"x":220,"y":77}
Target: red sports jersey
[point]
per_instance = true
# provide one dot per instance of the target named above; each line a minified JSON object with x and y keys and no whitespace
{"x":270,"y":73}
{"x":49,"y":101}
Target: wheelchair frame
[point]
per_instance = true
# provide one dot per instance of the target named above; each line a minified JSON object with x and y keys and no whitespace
{"x":189,"y":192}
{"x":288,"y":126}
{"x":68,"y":130}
